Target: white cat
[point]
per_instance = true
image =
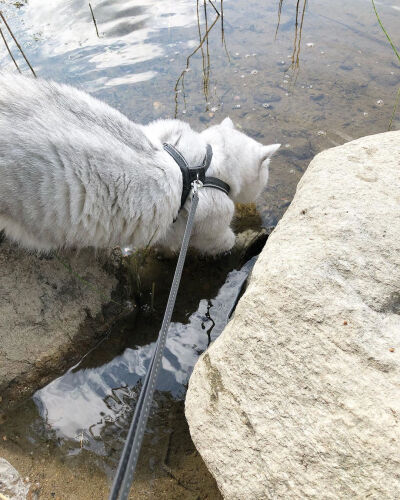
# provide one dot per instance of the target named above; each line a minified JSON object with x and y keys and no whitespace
{"x":75,"y":172}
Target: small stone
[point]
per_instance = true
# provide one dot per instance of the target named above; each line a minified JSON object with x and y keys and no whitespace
{"x":379,"y":102}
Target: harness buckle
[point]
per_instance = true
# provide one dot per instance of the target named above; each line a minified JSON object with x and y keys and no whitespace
{"x":196,"y":185}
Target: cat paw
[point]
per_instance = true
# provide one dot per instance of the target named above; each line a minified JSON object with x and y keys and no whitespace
{"x":216,"y":246}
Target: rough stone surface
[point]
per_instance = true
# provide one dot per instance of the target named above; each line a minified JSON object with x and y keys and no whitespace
{"x":300,"y":395}
{"x":43,"y":310}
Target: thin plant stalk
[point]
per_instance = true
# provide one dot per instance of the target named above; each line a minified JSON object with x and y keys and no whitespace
{"x":394,"y":109}
{"x":94,"y":20}
{"x":9,"y":50}
{"x":386,"y":33}
{"x":398,"y":57}
{"x":17,"y":44}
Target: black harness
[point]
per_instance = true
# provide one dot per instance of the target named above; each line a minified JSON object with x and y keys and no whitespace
{"x":190,"y":174}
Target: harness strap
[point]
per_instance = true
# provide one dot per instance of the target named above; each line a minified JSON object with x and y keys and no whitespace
{"x":190,"y":174}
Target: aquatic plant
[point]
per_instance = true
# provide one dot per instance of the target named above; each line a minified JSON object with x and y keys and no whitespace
{"x":16,"y":43}
{"x":298,"y":30}
{"x":398,"y":57}
{"x":203,"y":46}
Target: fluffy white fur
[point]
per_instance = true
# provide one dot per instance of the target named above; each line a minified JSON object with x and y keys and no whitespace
{"x":75,"y":172}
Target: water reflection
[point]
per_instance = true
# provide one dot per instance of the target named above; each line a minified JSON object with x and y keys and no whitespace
{"x":128,"y":36}
{"x":78,"y":405}
{"x":204,"y":47}
{"x":298,"y":29}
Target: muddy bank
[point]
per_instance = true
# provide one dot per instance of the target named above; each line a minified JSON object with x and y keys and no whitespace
{"x":179,"y":472}
{"x":52,"y":309}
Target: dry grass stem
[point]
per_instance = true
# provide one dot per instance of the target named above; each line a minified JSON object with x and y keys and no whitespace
{"x":94,"y":20}
{"x":9,"y":50}
{"x":16,"y":43}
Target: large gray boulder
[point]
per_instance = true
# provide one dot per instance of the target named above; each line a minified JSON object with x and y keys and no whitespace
{"x":300,"y":395}
{"x":48,"y":313}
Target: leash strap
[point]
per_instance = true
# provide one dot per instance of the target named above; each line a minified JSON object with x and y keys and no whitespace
{"x":130,"y":454}
{"x":190,"y":174}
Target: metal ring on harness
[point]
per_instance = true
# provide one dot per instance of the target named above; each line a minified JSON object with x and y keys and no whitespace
{"x":190,"y":174}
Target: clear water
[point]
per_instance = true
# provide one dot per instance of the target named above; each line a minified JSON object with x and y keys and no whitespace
{"x":335,"y":82}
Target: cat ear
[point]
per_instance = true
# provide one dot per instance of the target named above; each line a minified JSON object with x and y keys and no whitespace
{"x":228,"y":123}
{"x":268,"y":151}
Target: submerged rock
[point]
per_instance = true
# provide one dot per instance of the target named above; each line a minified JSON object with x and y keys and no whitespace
{"x":47,"y":305}
{"x":300,"y":396}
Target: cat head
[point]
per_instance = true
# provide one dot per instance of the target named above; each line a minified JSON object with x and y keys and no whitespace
{"x":244,"y":164}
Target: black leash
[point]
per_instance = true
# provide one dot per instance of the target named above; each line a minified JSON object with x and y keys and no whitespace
{"x":193,"y":178}
{"x":130,"y":454}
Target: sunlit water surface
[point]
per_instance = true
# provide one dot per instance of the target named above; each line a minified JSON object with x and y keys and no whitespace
{"x":333,"y":82}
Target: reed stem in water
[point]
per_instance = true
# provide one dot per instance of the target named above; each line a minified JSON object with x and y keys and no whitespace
{"x":9,"y":50}
{"x":17,"y":44}
{"x":94,"y":20}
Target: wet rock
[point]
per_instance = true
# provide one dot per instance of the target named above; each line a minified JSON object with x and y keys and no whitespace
{"x":299,"y":396}
{"x":50,"y":310}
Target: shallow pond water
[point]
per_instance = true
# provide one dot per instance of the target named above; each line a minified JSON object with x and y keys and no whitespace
{"x":334,"y":81}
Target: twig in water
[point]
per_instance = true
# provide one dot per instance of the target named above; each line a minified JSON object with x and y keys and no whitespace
{"x":199,"y":46}
{"x":94,"y":20}
{"x":214,"y":7}
{"x":279,"y":18}
{"x":394,"y":109}
{"x":153,"y":290}
{"x":17,"y":44}
{"x":9,"y":51}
